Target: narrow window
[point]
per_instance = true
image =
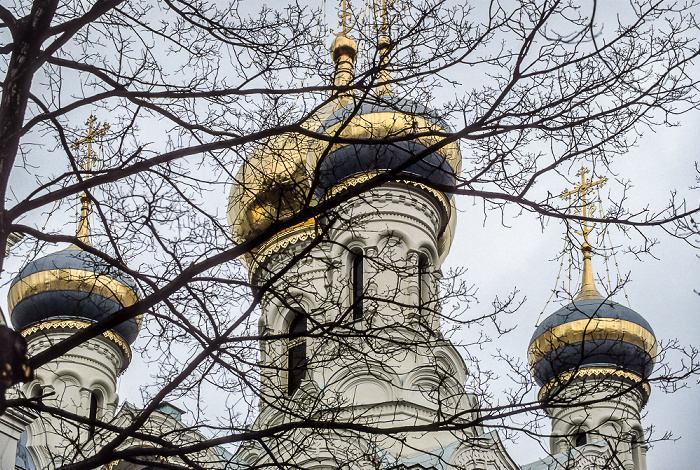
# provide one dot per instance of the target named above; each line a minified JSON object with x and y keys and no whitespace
{"x":93,"y":414}
{"x":37,"y":394}
{"x":358,"y":285}
{"x":637,"y":449}
{"x":296,"y":356}
{"x":580,"y":439}
{"x":423,"y":282}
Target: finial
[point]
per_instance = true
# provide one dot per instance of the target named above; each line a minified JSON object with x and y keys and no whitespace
{"x":93,"y":131}
{"x":344,"y":52}
{"x":383,"y":78}
{"x":584,"y":207}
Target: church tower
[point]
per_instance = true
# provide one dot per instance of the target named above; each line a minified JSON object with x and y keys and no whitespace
{"x":350,"y":317}
{"x":591,"y":359}
{"x":49,"y":300}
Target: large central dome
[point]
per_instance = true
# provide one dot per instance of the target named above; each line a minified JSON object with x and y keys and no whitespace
{"x":356,"y":138}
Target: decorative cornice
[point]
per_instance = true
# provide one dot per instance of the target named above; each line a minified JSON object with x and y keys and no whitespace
{"x":355,"y":180}
{"x":594,"y":373}
{"x":79,"y":325}
{"x":303,"y":231}
{"x":591,"y":329}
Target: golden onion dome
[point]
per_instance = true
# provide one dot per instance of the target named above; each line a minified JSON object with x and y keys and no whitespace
{"x":591,"y":336}
{"x":271,"y":185}
{"x":73,"y":289}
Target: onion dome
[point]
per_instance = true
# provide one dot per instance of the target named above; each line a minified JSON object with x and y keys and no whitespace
{"x":270,"y":185}
{"x":389,"y":119}
{"x":72,"y":288}
{"x":591,"y":336}
{"x":273,"y":183}
{"x":390,"y":132}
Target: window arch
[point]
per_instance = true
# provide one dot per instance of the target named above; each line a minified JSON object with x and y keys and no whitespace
{"x":36,"y":393}
{"x":357,"y":284}
{"x":296,"y":354}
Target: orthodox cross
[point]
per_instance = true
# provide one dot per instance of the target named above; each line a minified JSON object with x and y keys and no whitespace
{"x":344,"y":14}
{"x":93,"y":132}
{"x":583,"y":206}
{"x":383,"y":15}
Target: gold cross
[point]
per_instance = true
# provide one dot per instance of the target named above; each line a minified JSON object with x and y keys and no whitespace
{"x":344,"y":14}
{"x":93,"y":132}
{"x":582,"y":205}
{"x":90,"y":135}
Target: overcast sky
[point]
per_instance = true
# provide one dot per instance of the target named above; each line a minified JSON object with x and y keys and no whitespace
{"x":662,"y":285}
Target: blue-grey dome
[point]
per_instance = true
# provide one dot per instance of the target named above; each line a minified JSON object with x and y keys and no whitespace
{"x":592,"y":333}
{"x":389,"y":119}
{"x":72,"y":284}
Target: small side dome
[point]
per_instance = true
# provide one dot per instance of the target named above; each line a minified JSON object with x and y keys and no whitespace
{"x":388,"y":119}
{"x":72,"y":284}
{"x":592,"y":332}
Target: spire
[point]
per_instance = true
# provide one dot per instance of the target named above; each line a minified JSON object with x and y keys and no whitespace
{"x":344,"y":52}
{"x":584,"y":208}
{"x":91,"y":134}
{"x":383,"y":85}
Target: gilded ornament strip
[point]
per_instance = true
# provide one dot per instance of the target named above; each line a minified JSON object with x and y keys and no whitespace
{"x":591,"y":329}
{"x":283,"y":239}
{"x":354,"y":180}
{"x":78,"y":325}
{"x":593,"y":373}
{"x":71,"y":280}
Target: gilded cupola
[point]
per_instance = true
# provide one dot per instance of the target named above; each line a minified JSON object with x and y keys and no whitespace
{"x":356,"y":139}
{"x":73,"y":288}
{"x":592,"y":335}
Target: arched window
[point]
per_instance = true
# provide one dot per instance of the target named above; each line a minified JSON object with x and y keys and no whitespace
{"x":36,"y":394}
{"x":357,"y":281}
{"x":637,"y":448}
{"x":580,"y":439}
{"x":94,"y":403}
{"x":296,"y":355}
{"x":423,"y":278}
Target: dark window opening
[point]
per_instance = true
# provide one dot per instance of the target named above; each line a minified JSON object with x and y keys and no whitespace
{"x":580,"y":439}
{"x":296,"y":356}
{"x":358,"y":285}
{"x":423,"y":282}
{"x":93,"y":414}
{"x":37,"y":394}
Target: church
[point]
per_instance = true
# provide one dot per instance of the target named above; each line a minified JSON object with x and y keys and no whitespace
{"x":354,"y":369}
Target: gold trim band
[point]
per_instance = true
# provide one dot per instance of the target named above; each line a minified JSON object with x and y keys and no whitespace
{"x":593,"y":372}
{"x":591,"y":329}
{"x":71,"y":280}
{"x":282,"y":240}
{"x":354,"y":180}
{"x":79,"y":325}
